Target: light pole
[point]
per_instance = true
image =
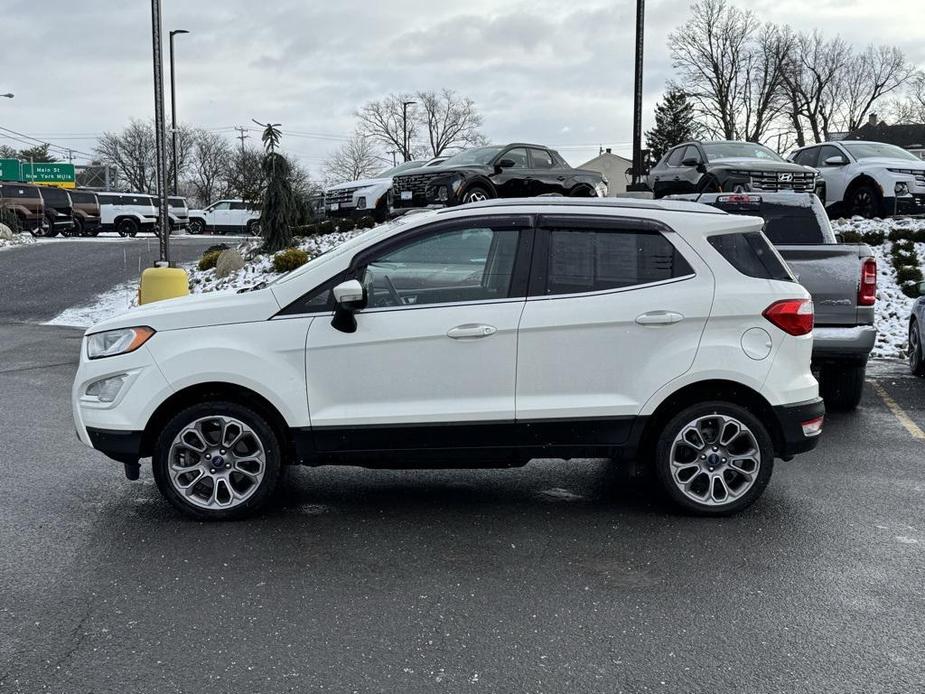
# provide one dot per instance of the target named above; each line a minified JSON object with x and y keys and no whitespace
{"x":173,"y":111}
{"x":404,"y":114}
{"x":637,"y":182}
{"x":159,"y":135}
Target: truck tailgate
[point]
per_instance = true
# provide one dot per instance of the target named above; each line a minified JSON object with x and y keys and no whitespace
{"x":831,"y":274}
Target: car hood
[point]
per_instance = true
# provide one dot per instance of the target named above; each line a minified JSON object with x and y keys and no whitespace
{"x":891,"y":163}
{"x":448,"y":171}
{"x":196,"y":311}
{"x":362,"y":183}
{"x":757,"y":165}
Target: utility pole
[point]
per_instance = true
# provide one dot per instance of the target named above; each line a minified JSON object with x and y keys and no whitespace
{"x":393,"y":152}
{"x":173,"y":110}
{"x":637,"y":182}
{"x":242,"y":135}
{"x":160,"y":135}
{"x":404,"y":114}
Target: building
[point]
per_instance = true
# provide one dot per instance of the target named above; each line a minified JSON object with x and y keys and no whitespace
{"x":909,"y":136}
{"x":613,"y":167}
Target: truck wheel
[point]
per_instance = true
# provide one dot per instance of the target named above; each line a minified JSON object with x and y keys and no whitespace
{"x":916,"y":362}
{"x":48,"y":226}
{"x":714,"y":458}
{"x":865,"y":201}
{"x":127,"y":227}
{"x":842,"y":386}
{"x":196,"y":226}
{"x":217,"y":461}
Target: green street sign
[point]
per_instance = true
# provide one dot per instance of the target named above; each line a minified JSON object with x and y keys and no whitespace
{"x":49,"y":174}
{"x":10,"y":170}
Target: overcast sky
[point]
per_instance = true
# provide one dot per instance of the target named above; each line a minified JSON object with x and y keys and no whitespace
{"x":548,"y":71}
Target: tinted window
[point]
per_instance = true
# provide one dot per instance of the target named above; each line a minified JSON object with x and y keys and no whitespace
{"x":106,"y":199}
{"x":691,"y":152}
{"x":591,"y":261}
{"x":542,"y":159}
{"x":55,"y":197}
{"x":807,"y":157}
{"x":220,"y":206}
{"x":829,"y":151}
{"x":751,"y":254}
{"x":786,"y":224}
{"x":872,"y":150}
{"x":176,"y":202}
{"x":15,"y":191}
{"x":238,"y":206}
{"x":736,"y":150}
{"x":469,"y":264}
{"x":518,"y":156}
{"x":83,"y":197}
{"x":674,"y":159}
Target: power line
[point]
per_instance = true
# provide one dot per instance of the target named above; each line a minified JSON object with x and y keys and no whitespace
{"x":50,"y":145}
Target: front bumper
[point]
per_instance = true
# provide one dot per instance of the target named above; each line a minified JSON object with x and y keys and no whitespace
{"x":121,"y":446}
{"x":843,"y":344}
{"x":790,"y":419}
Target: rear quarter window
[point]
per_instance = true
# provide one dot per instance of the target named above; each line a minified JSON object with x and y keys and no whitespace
{"x":752,"y":255}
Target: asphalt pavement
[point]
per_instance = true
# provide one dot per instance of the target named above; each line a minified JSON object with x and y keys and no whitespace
{"x":557,"y":577}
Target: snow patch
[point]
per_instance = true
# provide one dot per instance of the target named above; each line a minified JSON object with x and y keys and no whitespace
{"x":560,"y":494}
{"x":117,"y":300}
{"x":23,"y":239}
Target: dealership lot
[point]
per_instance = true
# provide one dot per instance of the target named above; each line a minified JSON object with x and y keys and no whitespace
{"x":561,"y":576}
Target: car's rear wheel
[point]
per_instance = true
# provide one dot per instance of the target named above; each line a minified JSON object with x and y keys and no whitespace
{"x":127,"y":227}
{"x":196,"y":226}
{"x":217,"y":461}
{"x":841,"y":386}
{"x":253,"y":227}
{"x":48,"y":226}
{"x":476,"y":194}
{"x":916,"y":362}
{"x":80,"y":227}
{"x":714,"y":458}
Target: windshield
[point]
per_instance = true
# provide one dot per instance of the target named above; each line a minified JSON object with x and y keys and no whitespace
{"x":405,"y":166}
{"x":874,"y":150}
{"x":479,"y":155}
{"x":738,"y":150}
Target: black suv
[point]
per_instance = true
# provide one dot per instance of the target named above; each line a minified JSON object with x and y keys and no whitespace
{"x":517,"y":170}
{"x":59,"y":211}
{"x":726,"y":166}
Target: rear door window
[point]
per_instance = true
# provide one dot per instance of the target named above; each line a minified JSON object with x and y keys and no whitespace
{"x":674,"y":159}
{"x":752,"y":255}
{"x":541,"y":159}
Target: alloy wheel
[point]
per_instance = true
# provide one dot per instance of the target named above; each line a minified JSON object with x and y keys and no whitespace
{"x":216,"y":462}
{"x":864,"y":203}
{"x":475,"y":196}
{"x":715,"y":460}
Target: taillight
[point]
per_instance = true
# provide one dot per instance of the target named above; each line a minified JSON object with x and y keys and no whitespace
{"x":793,"y":316}
{"x":867,"y":289}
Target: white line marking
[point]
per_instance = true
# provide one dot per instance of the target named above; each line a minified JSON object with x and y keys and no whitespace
{"x":898,"y":412}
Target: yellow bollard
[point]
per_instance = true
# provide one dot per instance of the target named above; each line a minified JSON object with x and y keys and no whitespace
{"x":159,"y":283}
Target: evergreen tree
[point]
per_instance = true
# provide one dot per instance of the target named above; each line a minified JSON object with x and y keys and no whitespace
{"x":674,"y":123}
{"x":37,"y":154}
{"x":278,"y":202}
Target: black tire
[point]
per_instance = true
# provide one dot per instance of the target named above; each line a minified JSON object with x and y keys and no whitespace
{"x":381,"y":211}
{"x":864,"y":201}
{"x":253,"y":227}
{"x":476,"y":193}
{"x":748,"y":495}
{"x":80,"y":227}
{"x":48,"y":226}
{"x":262,"y":492}
{"x":841,"y":386}
{"x":127,"y":227}
{"x":582,"y":191}
{"x":916,"y":359}
{"x":196,"y":226}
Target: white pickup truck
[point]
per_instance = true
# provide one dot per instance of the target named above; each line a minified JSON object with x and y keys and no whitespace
{"x":225,"y":217}
{"x":870,"y":179}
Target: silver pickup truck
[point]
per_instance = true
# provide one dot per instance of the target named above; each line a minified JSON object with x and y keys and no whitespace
{"x":841,"y":277}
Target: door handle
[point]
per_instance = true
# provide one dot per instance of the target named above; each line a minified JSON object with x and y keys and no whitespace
{"x":471,"y":331}
{"x":659,"y":318}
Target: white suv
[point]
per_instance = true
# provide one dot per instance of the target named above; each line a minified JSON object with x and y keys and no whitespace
{"x":482,"y":335}
{"x":128,"y":213}
{"x":225,"y":217}
{"x":871,"y":179}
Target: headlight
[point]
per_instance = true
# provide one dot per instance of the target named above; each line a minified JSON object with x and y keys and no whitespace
{"x":121,"y":341}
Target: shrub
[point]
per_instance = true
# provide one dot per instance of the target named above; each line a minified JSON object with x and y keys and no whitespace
{"x":873,"y":238}
{"x":208,"y":259}
{"x":346,"y":225}
{"x":850,"y":236}
{"x":9,"y":218}
{"x":366,"y":222}
{"x":217,"y":247}
{"x":908,"y":273}
{"x":326,"y":227}
{"x":304,"y":231}
{"x":289,"y":259}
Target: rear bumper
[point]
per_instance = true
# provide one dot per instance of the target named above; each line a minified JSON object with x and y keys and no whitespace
{"x":122,"y":446}
{"x":843,"y":344}
{"x":791,"y":419}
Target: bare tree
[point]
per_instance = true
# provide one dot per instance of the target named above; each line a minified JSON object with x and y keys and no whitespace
{"x":245,"y":178}
{"x":357,"y":158}
{"x":869,"y":76}
{"x":763,"y":100}
{"x":208,"y":168}
{"x":132,"y":153}
{"x":384,"y":121}
{"x":911,"y":108}
{"x":449,"y":121}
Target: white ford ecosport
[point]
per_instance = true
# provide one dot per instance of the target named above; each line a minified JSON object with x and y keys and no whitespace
{"x":484,"y":335}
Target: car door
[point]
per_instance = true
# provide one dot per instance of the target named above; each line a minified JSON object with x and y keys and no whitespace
{"x":667,"y":177}
{"x":435,"y":348}
{"x":835,"y":175}
{"x":219,"y":216}
{"x":511,"y":181}
{"x":615,"y":311}
{"x":545,"y":176}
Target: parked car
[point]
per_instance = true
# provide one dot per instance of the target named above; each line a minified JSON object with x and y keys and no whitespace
{"x":917,"y":333}
{"x":225,"y":217}
{"x":369,"y":196}
{"x":128,"y":213}
{"x":178,"y":212}
{"x":516,"y":170}
{"x":59,"y":211}
{"x":25,"y":201}
{"x":870,"y":179}
{"x":841,"y":277}
{"x":86,"y":210}
{"x":727,"y":166}
{"x":479,"y":336}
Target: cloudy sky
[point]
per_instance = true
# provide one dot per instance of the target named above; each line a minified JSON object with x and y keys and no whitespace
{"x":549,"y":71}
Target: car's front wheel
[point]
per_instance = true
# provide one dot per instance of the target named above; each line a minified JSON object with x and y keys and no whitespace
{"x":916,"y":362}
{"x":714,"y":458}
{"x":127,"y":227}
{"x":217,"y":461}
{"x":476,"y":194}
{"x":865,"y":201}
{"x":253,"y":227}
{"x":196,"y":227}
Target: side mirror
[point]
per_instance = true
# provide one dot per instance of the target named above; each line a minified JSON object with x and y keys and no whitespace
{"x":349,"y":297}
{"x":837,"y":160}
{"x":690,"y":161}
{"x":505,"y":164}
